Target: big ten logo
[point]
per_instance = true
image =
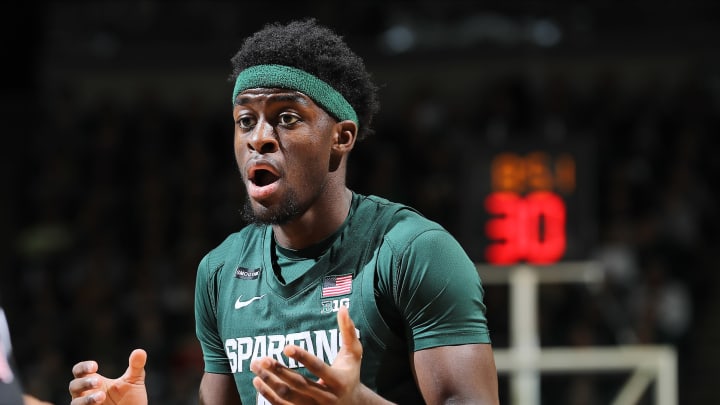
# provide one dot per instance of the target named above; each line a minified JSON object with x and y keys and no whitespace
{"x":329,"y":306}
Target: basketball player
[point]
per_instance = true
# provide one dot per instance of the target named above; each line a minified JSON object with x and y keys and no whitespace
{"x":327,"y":296}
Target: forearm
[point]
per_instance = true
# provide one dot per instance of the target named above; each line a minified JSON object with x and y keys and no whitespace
{"x":463,"y":374}
{"x":31,"y":400}
{"x":218,"y":389}
{"x":366,"y":396}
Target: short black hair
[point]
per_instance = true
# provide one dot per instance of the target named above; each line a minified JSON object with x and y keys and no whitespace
{"x":305,"y":45}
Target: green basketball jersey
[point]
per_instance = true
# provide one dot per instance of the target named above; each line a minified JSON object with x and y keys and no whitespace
{"x":406,"y":281}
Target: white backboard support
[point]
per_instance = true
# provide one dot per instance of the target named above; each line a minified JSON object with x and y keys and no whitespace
{"x":525,"y":359}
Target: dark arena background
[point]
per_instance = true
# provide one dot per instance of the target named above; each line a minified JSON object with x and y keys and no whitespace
{"x":560,"y":136}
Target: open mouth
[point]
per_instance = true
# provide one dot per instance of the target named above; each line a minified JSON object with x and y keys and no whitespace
{"x":263,"y":177}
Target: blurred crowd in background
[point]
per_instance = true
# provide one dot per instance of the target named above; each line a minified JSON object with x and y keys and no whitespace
{"x":111,"y":204}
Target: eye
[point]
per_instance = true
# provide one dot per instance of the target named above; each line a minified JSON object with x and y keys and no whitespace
{"x":288,"y":119}
{"x":246,"y":122}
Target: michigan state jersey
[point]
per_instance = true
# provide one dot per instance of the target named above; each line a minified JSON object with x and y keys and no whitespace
{"x":406,"y":281}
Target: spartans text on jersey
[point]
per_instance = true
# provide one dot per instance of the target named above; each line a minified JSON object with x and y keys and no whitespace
{"x":323,"y":344}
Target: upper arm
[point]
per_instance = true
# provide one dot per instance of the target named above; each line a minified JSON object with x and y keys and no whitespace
{"x":461,"y":374}
{"x":438,"y":293}
{"x":206,"y":318}
{"x":218,"y":389}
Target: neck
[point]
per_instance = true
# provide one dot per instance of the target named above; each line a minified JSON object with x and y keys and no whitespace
{"x":316,"y":224}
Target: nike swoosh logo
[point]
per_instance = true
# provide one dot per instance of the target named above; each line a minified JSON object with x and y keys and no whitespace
{"x":240,"y":304}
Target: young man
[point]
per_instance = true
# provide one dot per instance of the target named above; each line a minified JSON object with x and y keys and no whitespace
{"x":328,"y":296}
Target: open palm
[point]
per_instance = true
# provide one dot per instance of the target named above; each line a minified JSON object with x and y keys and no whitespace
{"x":128,"y":389}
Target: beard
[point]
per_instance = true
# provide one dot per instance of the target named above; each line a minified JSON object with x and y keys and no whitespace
{"x":288,"y":209}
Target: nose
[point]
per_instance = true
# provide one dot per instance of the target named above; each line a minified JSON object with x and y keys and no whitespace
{"x":263,"y":138}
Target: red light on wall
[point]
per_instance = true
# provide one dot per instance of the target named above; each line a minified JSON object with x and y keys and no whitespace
{"x":530,"y":228}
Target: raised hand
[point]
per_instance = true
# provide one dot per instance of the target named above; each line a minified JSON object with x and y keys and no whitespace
{"x":336,"y":384}
{"x":89,"y":387}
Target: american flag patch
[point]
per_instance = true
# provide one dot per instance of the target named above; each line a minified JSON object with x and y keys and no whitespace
{"x":337,"y":285}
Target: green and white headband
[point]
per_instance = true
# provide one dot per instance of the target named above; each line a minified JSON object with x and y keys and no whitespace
{"x":286,"y":77}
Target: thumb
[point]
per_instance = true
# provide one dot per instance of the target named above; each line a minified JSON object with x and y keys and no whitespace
{"x":136,"y":367}
{"x":347,"y":331}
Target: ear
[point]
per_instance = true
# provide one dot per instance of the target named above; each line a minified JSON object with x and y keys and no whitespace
{"x":344,"y":136}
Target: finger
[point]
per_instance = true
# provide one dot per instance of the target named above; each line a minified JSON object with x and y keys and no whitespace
{"x":94,"y":398}
{"x":288,"y":384}
{"x":311,"y":362}
{"x":84,"y":368}
{"x":136,"y":366}
{"x":80,"y":386}
{"x":274,"y":373}
{"x":295,"y":390}
{"x":267,"y":383}
{"x":268,"y":393}
{"x":294,"y":379}
{"x":352,"y":349}
{"x":347,"y":331}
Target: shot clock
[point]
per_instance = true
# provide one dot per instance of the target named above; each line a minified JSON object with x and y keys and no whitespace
{"x":533,"y":203}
